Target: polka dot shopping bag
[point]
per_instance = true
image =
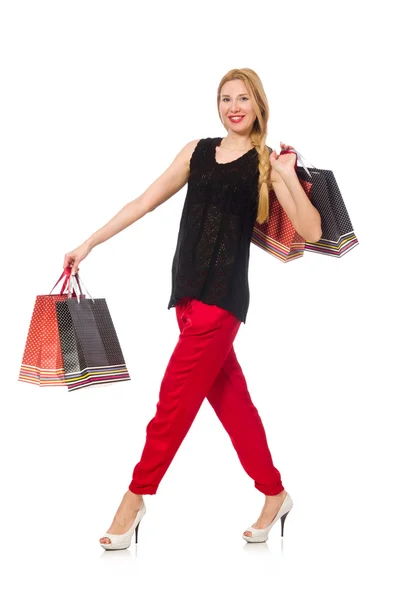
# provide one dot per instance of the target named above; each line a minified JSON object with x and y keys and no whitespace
{"x":90,"y":347}
{"x":42,"y":361}
{"x":277,"y":235}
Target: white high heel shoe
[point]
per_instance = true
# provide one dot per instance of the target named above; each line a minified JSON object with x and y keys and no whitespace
{"x":261,"y":535}
{"x":123,"y":540}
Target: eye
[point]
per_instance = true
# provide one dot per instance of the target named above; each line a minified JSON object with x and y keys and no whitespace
{"x":242,"y":98}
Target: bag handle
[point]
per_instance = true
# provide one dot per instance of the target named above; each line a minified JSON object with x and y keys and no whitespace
{"x":66,"y":273}
{"x":301,"y":158}
{"x":75,"y":280}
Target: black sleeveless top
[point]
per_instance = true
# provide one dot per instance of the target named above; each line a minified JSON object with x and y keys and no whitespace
{"x":218,"y":217}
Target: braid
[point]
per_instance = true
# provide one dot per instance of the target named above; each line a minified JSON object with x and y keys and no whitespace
{"x":264,"y":185}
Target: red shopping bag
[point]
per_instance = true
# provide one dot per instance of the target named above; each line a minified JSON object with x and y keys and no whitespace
{"x":277,"y":235}
{"x":42,"y":362}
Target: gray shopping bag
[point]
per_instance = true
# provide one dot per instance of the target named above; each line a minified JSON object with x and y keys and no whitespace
{"x":91,"y":350}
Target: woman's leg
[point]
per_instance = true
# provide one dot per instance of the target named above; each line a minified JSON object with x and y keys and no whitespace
{"x":206,"y":336}
{"x":231,"y":400}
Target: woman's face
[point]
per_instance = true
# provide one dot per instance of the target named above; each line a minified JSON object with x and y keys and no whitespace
{"x":235,"y":100}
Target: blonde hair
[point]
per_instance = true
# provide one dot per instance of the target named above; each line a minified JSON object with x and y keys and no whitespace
{"x":258,"y":133}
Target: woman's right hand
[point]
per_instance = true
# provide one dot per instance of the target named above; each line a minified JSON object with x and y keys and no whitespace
{"x":74,"y":258}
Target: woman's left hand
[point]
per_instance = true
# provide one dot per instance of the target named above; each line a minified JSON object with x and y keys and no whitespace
{"x":283,"y":163}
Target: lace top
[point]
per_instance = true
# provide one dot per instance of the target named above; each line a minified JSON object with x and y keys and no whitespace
{"x":218,"y":217}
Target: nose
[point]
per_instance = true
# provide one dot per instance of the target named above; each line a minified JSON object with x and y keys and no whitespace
{"x":234,"y":107}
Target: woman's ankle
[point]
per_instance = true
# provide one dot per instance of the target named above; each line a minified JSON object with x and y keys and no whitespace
{"x":282,"y":493}
{"x":138,"y":496}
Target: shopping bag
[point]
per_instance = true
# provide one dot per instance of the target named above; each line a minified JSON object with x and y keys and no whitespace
{"x":338,"y":236}
{"x":277,"y":235}
{"x":42,"y":362}
{"x":90,"y":347}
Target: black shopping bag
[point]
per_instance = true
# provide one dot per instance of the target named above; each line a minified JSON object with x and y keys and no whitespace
{"x":338,"y":236}
{"x":90,"y":347}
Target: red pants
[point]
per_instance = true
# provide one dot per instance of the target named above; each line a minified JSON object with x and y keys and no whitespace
{"x":204,"y":364}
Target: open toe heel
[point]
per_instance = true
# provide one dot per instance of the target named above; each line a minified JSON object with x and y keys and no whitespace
{"x":261,"y":535}
{"x":123,"y":540}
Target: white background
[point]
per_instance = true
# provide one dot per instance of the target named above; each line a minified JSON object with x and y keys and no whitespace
{"x":97,"y":99}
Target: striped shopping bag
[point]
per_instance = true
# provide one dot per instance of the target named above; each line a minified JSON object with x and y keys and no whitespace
{"x":42,"y":361}
{"x":338,"y":236}
{"x":277,"y":235}
{"x":90,"y":347}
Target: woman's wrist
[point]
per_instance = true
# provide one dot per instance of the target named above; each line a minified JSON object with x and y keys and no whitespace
{"x":288,"y":175}
{"x":89,"y":243}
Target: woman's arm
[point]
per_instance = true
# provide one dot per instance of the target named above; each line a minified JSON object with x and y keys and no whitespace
{"x":305,"y":218}
{"x":165,"y":186}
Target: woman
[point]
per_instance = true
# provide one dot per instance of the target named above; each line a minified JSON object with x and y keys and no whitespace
{"x":229,"y":180}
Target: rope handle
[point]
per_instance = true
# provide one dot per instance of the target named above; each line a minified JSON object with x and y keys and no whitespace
{"x":75,"y":285}
{"x":66,"y":274}
{"x":301,"y":159}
